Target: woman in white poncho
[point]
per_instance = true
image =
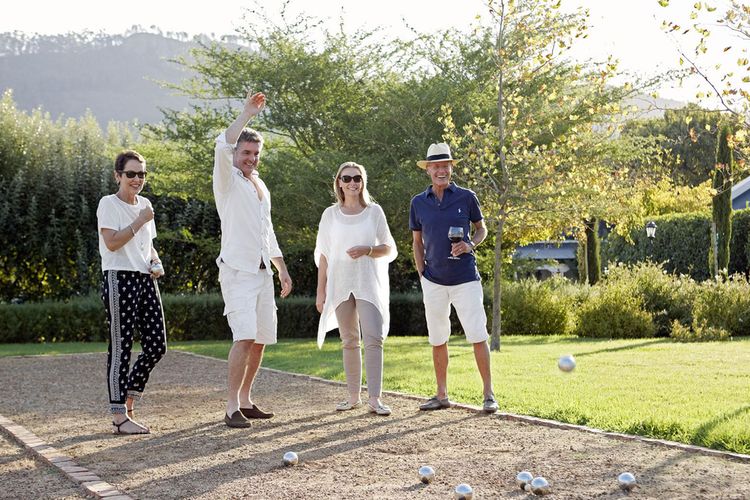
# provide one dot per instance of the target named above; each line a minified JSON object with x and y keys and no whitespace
{"x":353,"y":249}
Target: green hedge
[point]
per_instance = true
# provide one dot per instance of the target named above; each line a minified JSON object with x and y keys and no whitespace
{"x":188,"y":317}
{"x":630,"y":302}
{"x":682,"y":243}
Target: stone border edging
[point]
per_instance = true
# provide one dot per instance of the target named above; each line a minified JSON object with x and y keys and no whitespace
{"x":535,"y":420}
{"x":90,"y":482}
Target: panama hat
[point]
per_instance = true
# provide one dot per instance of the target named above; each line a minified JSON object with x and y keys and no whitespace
{"x":437,"y":152}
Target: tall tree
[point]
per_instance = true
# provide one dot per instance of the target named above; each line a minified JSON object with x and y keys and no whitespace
{"x":543,"y":160}
{"x":722,"y":204}
{"x":719,"y":34}
{"x":687,"y":138}
{"x":338,"y":96}
{"x":728,"y":84}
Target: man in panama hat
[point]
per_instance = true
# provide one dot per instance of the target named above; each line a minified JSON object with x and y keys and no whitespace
{"x":448,"y":270}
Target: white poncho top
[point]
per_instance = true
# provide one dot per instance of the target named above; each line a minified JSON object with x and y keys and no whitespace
{"x":365,"y":277}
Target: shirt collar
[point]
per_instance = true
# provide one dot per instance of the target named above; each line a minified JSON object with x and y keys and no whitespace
{"x":237,"y":171}
{"x":451,"y":187}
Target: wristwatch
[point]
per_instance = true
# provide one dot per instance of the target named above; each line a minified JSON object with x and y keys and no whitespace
{"x":471,"y":243}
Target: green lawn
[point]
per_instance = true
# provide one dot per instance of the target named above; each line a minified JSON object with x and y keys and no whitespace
{"x":692,"y":393}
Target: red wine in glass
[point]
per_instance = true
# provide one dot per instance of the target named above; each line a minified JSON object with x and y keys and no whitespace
{"x":455,"y":234}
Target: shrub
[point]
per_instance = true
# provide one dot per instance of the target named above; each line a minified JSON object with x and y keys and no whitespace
{"x":614,"y":311}
{"x":724,"y":304}
{"x":700,"y":333}
{"x":665,"y":296}
{"x":531,"y":307}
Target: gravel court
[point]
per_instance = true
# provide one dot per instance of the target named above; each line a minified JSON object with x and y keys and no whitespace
{"x":191,"y":454}
{"x":22,"y":476}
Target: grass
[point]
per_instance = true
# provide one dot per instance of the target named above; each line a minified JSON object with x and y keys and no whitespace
{"x":691,"y":393}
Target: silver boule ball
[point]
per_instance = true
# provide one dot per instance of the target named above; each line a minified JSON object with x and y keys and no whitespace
{"x":627,"y":481}
{"x":523,"y":478}
{"x":539,"y":486}
{"x":464,"y":492}
{"x":290,"y":458}
{"x":426,"y":474}
{"x":566,"y":363}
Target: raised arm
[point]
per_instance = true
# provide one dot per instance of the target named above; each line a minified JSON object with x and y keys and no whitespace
{"x":254,"y":104}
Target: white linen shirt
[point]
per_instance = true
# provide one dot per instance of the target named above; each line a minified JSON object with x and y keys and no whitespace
{"x":247,"y":235}
{"x":135,"y":255}
{"x":365,"y":277}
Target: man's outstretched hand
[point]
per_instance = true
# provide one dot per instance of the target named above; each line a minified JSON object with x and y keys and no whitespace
{"x":254,"y":103}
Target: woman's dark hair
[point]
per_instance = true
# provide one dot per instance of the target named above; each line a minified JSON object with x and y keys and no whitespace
{"x":125,"y":157}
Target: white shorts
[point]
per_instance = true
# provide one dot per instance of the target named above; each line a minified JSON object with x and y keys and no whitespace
{"x":249,"y":304}
{"x":467,"y":298}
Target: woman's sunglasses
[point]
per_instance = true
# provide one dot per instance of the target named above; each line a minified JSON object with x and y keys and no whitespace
{"x":131,"y":173}
{"x":346,"y":179}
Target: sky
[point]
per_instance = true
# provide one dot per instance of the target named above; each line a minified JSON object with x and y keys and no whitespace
{"x":628,"y":29}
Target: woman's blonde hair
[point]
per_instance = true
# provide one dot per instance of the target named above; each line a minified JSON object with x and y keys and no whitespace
{"x":364,"y":195}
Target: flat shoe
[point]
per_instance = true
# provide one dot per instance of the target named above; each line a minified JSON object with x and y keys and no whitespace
{"x":380,"y":409}
{"x":237,"y":420}
{"x":435,"y":404}
{"x":490,"y":404}
{"x":255,"y":412}
{"x":117,"y":428}
{"x":346,"y":405}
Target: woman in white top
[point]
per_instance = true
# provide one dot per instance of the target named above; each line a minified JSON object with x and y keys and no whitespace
{"x":130,"y":266}
{"x":353,"y":249}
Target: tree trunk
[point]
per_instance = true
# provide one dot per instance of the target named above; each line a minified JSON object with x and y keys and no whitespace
{"x":496,"y":288}
{"x":593,"y":251}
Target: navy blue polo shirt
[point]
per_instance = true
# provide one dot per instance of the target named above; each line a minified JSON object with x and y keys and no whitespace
{"x":459,"y":207}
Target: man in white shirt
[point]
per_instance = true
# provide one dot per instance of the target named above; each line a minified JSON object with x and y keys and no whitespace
{"x":248,"y":247}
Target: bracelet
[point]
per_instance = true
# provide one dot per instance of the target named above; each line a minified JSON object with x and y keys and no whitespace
{"x":370,"y":252}
{"x":131,"y":229}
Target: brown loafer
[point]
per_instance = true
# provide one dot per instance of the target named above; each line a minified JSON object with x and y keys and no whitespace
{"x":237,"y":420}
{"x":255,"y":412}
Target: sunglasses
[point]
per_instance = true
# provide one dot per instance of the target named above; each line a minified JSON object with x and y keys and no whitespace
{"x":131,"y":173}
{"x":346,"y":179}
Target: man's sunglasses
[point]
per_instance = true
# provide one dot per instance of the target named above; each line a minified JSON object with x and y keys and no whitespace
{"x":346,"y":179}
{"x":131,"y":173}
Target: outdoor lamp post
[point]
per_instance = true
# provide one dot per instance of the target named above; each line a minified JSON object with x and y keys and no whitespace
{"x":651,"y":233}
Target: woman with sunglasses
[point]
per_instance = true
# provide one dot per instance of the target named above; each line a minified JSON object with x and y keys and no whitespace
{"x":353,"y":249}
{"x":130,"y":266}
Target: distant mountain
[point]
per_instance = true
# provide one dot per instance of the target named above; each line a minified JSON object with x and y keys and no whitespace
{"x":116,"y":77}
{"x":651,"y":107}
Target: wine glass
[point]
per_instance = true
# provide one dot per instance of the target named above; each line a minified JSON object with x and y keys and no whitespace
{"x":455,"y":234}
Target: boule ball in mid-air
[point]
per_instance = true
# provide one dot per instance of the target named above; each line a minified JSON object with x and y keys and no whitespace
{"x":426,"y":474}
{"x":566,"y":363}
{"x":464,"y":492}
{"x":523,"y":478}
{"x":290,"y":458}
{"x":627,"y":481}
{"x":539,"y":486}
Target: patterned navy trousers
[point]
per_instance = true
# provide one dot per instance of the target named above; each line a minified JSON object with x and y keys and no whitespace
{"x":132,"y":302}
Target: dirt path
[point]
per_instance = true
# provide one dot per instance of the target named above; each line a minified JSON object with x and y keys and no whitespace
{"x":23,"y":477}
{"x":190,"y":453}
